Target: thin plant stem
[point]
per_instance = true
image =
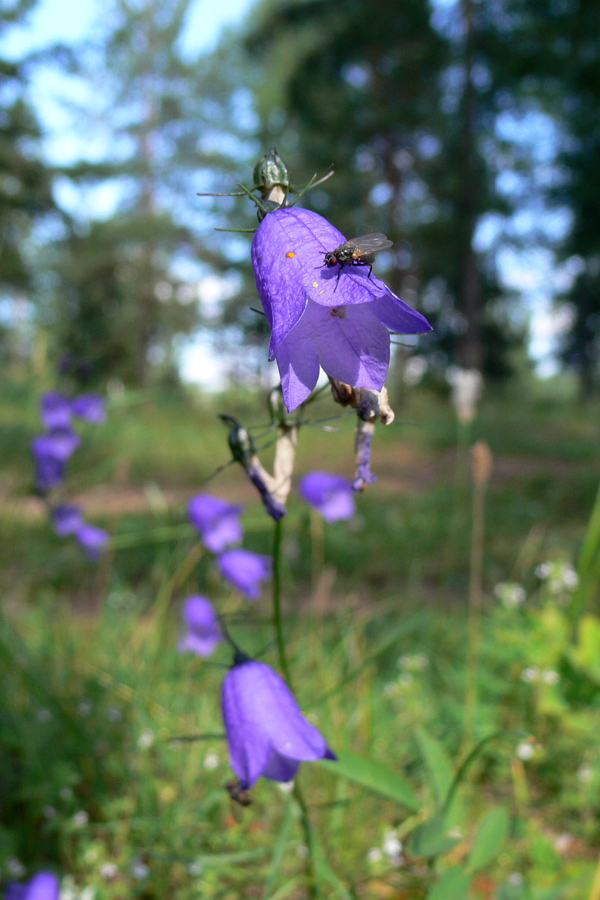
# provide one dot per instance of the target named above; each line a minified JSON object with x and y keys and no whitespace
{"x":481,"y":473}
{"x":283,"y":662}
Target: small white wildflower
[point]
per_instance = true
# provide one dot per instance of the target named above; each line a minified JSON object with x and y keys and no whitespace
{"x":92,"y":853}
{"x":43,"y":715}
{"x":302,"y":851}
{"x":109,"y":870}
{"x":585,"y":773}
{"x":211,"y":760}
{"x":146,"y":739}
{"x":530,"y":674}
{"x":114,"y":714}
{"x":15,"y":867}
{"x":391,"y":846}
{"x":88,"y":893}
{"x":66,"y":793}
{"x":80,"y":818}
{"x":84,"y":707}
{"x":525,"y":750}
{"x":374,"y":854}
{"x":510,"y":594}
{"x":550,"y":676}
{"x":139,"y":869}
{"x":413,"y":662}
{"x":286,"y":786}
{"x":515,"y":878}
{"x":195,"y":868}
{"x":405,"y":679}
{"x":562,"y":842}
{"x":456,"y":833}
{"x":543,"y":570}
{"x":48,"y":812}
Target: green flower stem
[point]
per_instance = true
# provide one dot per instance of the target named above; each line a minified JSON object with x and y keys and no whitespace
{"x":283,"y":662}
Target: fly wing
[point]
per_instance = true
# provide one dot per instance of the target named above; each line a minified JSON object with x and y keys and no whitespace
{"x":371,"y":243}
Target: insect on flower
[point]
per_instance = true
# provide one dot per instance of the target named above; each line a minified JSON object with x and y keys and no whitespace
{"x":358,"y":251}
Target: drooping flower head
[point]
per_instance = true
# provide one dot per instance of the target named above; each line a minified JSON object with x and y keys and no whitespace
{"x":318,"y":319}
{"x":245,"y":569}
{"x":43,"y":886}
{"x":49,"y":471}
{"x":331,"y":494}
{"x":59,"y":443}
{"x":66,"y":519}
{"x":55,"y":410}
{"x":217,"y":521}
{"x":90,"y":407}
{"x":203,"y":630}
{"x":266,"y":731}
{"x":93,"y":539}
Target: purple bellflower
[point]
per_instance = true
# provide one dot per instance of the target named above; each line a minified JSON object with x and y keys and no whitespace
{"x":60,"y":443}
{"x":49,"y":471}
{"x":203,"y":629}
{"x":43,"y":886}
{"x":55,"y":410}
{"x":320,"y":320}
{"x":331,"y":494}
{"x":245,"y":570}
{"x":67,"y":519}
{"x":90,"y":407}
{"x":92,"y":539}
{"x":217,"y":521}
{"x":266,"y":731}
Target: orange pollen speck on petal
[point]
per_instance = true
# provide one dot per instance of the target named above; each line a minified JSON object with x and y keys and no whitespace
{"x":338,"y":311}
{"x":290,"y":254}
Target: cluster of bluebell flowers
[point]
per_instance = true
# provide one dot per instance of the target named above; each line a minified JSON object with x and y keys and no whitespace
{"x":52,"y":451}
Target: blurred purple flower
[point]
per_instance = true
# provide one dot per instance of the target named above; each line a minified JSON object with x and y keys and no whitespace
{"x":217,"y":521}
{"x":43,"y":886}
{"x":203,"y":629}
{"x":266,"y":731}
{"x":60,"y":443}
{"x":245,"y":570}
{"x":55,"y":410}
{"x":49,"y":472}
{"x":320,"y":320}
{"x":90,"y":407}
{"x":92,"y":539}
{"x":66,"y":519}
{"x":331,"y":494}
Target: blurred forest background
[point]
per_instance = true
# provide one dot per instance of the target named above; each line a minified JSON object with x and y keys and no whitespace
{"x":466,"y":131}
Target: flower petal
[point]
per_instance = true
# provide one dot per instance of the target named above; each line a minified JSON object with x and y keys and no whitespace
{"x":353,"y":345}
{"x":298,"y":363}
{"x":398,"y":315}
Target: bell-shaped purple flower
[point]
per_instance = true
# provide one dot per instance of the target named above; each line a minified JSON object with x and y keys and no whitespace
{"x":60,"y":443}
{"x":217,"y":521}
{"x":203,"y":630}
{"x":266,"y":731}
{"x":49,"y":471}
{"x":43,"y":886}
{"x":320,"y":320}
{"x":90,"y":407}
{"x":331,"y":494}
{"x":92,"y":539}
{"x":55,"y":410}
{"x":66,"y":518}
{"x":245,"y":569}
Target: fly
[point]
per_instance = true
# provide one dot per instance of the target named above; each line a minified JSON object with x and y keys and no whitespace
{"x":358,"y":251}
{"x":237,"y":793}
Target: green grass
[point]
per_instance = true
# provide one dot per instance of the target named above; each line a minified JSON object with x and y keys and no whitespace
{"x":93,"y":690}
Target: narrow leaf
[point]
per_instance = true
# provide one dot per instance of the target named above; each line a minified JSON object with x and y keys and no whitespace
{"x":438,"y":764}
{"x":490,"y":836}
{"x":280,"y":846}
{"x":453,"y":885}
{"x":374,"y":776}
